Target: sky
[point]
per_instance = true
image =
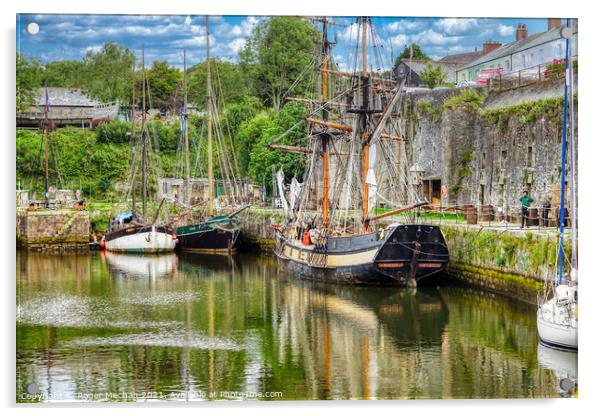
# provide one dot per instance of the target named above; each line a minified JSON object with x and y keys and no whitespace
{"x":70,"y":37}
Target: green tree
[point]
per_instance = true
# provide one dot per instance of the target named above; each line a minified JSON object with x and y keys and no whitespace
{"x":28,"y":81}
{"x":433,"y":76}
{"x":417,"y":53}
{"x":163,"y":83}
{"x":227,"y":80}
{"x":109,"y":73}
{"x":236,"y":114}
{"x":69,"y":74}
{"x":278,"y":54}
{"x":262,"y":158}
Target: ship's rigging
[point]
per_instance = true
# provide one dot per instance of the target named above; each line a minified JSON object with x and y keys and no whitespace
{"x":356,"y":153}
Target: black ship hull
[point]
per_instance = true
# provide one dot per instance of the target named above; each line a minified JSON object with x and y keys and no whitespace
{"x":404,"y":256}
{"x":224,"y":239}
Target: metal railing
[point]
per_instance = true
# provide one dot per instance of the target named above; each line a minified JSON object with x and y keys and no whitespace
{"x":506,"y":80}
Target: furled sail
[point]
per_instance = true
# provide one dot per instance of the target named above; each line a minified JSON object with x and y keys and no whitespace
{"x":280,"y":180}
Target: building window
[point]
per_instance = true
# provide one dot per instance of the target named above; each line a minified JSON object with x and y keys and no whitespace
{"x":530,"y":156}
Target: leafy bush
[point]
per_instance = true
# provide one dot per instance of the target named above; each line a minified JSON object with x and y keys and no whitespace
{"x":433,"y":76}
{"x":113,"y":132}
{"x":468,"y":97}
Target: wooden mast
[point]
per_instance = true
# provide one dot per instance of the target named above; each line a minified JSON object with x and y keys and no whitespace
{"x":186,"y":196}
{"x":209,"y":126}
{"x":143,"y":167}
{"x":133,"y":139}
{"x":324,"y":136}
{"x":363,"y":124}
{"x":46,"y":202}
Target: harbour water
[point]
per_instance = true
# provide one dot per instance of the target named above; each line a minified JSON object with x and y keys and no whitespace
{"x":115,"y":327}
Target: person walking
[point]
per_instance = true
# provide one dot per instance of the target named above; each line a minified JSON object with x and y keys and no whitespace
{"x":525,"y":201}
{"x":545,"y":210}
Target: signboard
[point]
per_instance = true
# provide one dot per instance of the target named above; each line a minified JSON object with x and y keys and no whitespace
{"x":443,"y":191}
{"x":485,"y":75}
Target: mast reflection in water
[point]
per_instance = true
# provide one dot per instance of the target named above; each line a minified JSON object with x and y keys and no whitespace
{"x":141,"y":327}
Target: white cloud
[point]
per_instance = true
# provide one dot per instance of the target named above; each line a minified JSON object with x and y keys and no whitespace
{"x":187,"y":21}
{"x":404,"y":26}
{"x":505,"y":30}
{"x":236,"y":45}
{"x":430,"y":37}
{"x":399,"y":40}
{"x":349,"y":34}
{"x":455,"y":26}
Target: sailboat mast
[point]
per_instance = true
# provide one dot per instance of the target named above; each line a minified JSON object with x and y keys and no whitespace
{"x":324,"y":136}
{"x":363,"y":125}
{"x":143,"y":138}
{"x":573,"y":162}
{"x":209,"y":121}
{"x":46,"y":202}
{"x":133,"y":139}
{"x":186,"y":142}
{"x":563,"y":166}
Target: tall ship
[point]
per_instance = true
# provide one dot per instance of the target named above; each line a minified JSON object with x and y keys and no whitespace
{"x":557,"y":314}
{"x":131,"y":231}
{"x":356,"y":165}
{"x":215,"y":233}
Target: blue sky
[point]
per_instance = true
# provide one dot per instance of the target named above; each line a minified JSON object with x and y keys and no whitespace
{"x":66,"y":36}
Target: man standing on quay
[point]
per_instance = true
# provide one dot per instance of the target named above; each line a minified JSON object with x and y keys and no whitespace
{"x":525,"y":201}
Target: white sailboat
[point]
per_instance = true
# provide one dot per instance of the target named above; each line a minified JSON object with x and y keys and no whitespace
{"x":129,"y":232}
{"x":557,"y":321}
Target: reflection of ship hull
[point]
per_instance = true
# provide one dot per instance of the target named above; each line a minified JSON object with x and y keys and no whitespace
{"x":142,"y":266}
{"x":406,"y":253}
{"x":141,"y":239}
{"x":217,"y":235}
{"x":564,"y":363}
{"x":407,"y":314}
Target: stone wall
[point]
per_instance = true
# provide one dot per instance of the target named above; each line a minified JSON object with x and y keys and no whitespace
{"x":512,"y":263}
{"x":59,"y":230}
{"x":489,"y":154}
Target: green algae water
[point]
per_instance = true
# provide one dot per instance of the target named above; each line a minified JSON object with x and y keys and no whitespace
{"x":115,"y":327}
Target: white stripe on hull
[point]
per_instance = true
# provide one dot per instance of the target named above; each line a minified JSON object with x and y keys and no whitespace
{"x":146,"y":242}
{"x":333,"y":260}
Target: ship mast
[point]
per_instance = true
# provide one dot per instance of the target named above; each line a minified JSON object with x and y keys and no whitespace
{"x":209,"y":126}
{"x":324,"y":135}
{"x":186,"y":196}
{"x":46,"y":202}
{"x":363,"y":126}
{"x":133,"y":139}
{"x":143,"y":167}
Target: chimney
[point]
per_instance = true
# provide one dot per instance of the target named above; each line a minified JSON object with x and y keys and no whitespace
{"x":521,"y":31}
{"x":553,"y":23}
{"x":490,"y":45}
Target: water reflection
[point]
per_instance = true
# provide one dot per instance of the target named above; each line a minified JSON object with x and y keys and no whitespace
{"x":564,"y":366}
{"x":141,"y":266}
{"x":219,"y":328}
